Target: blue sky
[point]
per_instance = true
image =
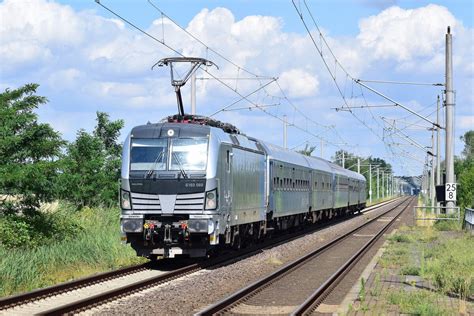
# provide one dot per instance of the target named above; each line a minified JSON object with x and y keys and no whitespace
{"x":86,"y":60}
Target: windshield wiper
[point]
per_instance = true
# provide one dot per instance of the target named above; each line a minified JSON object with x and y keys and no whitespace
{"x":150,"y":171}
{"x":185,"y":176}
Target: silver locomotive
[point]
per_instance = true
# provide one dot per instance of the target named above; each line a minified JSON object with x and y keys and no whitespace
{"x":190,"y":184}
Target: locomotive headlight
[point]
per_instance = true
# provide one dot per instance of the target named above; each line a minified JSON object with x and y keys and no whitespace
{"x":211,"y":200}
{"x":210,"y":226}
{"x":125,"y":200}
{"x":131,"y":225}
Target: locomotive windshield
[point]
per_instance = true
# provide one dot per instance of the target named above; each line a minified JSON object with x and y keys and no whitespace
{"x":188,"y":153}
{"x":148,"y":154}
{"x":173,"y":154}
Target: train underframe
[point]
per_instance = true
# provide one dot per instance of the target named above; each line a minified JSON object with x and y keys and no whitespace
{"x":171,"y":236}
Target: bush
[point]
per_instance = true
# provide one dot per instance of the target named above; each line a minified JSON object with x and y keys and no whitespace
{"x":449,"y":266}
{"x":399,"y":238}
{"x":91,"y":167}
{"x":422,"y":303}
{"x":447,"y":225}
{"x":40,"y":228}
{"x":94,"y":246}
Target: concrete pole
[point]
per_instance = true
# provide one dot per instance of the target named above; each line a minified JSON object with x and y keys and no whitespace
{"x":391,"y":184}
{"x":438,"y":147}
{"x":370,"y":183}
{"x":343,"y":159}
{"x":432,"y":173}
{"x":285,"y":125}
{"x":449,"y":158}
{"x":378,"y":193}
{"x":322,"y":149}
{"x":383,"y":183}
{"x":438,"y":150}
{"x":193,"y":94}
{"x":358,"y":165}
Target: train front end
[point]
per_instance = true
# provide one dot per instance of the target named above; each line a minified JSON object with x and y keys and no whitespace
{"x":169,"y":192}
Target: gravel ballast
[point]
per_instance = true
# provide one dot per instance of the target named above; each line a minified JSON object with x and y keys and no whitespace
{"x":194,"y":292}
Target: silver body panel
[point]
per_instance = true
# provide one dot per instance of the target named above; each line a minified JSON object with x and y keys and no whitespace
{"x":254,"y":182}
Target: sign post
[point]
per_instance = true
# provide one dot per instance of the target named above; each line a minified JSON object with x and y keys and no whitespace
{"x":450,"y":192}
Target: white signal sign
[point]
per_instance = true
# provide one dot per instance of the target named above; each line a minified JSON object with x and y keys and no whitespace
{"x":450,"y":192}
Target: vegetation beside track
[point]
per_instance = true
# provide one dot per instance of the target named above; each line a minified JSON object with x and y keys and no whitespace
{"x":43,"y":246}
{"x":81,"y":243}
{"x":440,"y":256}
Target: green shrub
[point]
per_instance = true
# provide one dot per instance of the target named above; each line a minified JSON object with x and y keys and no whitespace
{"x":449,"y":266}
{"x":399,"y":238}
{"x":447,"y":225}
{"x":38,"y":228}
{"x":416,"y":303}
{"x":410,"y":270}
{"x":94,"y":247}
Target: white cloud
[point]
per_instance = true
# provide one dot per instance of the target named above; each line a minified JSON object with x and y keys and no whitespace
{"x":41,"y":21}
{"x":299,"y":83}
{"x":88,"y":62}
{"x":65,"y":79}
{"x":406,"y":34}
{"x":465,"y":122}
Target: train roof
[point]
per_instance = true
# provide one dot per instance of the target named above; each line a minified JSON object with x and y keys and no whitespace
{"x":319,"y":163}
{"x":202,"y":127}
{"x":348,"y":173}
{"x":162,"y":129}
{"x":281,"y":154}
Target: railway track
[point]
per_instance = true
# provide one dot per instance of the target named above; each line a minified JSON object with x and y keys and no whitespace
{"x":89,"y":292}
{"x":291,"y":289}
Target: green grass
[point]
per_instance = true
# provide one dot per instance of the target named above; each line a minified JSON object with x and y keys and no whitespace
{"x":443,"y":257}
{"x":92,"y":246}
{"x":449,"y":265}
{"x":417,"y":303}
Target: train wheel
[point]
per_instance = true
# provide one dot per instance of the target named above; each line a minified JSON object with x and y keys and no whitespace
{"x":236,"y":239}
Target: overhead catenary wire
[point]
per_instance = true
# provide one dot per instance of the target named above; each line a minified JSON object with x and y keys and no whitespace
{"x":243,"y":97}
{"x":337,"y":65}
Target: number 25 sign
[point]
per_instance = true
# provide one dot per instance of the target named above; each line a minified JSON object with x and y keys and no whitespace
{"x":450,"y":191}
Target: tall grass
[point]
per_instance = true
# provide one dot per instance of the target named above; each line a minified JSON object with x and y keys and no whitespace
{"x":421,"y":303}
{"x":449,"y":266}
{"x":93,"y":248}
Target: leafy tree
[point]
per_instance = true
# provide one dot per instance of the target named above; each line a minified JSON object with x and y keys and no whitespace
{"x":307,"y":151}
{"x":28,"y":152}
{"x":468,"y":139}
{"x":91,"y":167}
{"x":464,"y":169}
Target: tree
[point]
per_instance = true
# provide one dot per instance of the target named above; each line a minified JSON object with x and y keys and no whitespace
{"x":29,"y":151}
{"x":91,"y":166}
{"x":468,"y":139}
{"x":464,"y":169}
{"x":307,"y":151}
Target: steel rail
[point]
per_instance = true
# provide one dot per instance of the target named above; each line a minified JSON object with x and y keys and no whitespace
{"x":128,"y":289}
{"x":20,"y":299}
{"x":226,"y":304}
{"x":24,"y":298}
{"x":318,"y":296}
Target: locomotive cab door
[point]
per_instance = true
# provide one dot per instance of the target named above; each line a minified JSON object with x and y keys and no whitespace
{"x":226,"y":182}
